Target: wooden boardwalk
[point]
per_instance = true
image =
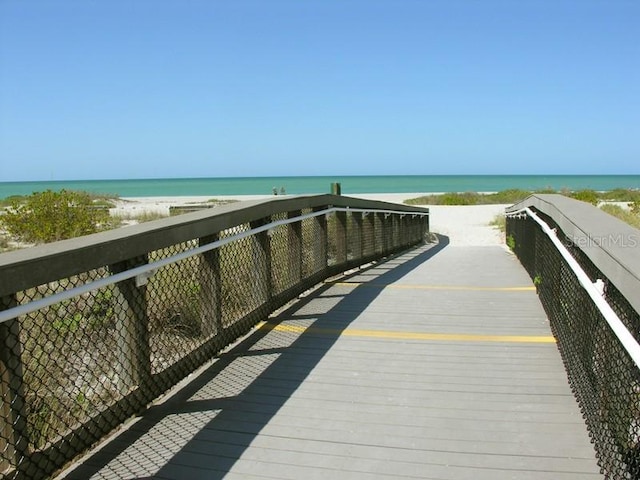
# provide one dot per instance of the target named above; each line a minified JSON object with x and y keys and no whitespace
{"x":436,"y":364}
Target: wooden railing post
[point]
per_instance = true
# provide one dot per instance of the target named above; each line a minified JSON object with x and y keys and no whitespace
{"x":425,"y":225}
{"x":321,"y":250}
{"x":355,"y":236}
{"x":378,"y":233}
{"x":14,"y":442}
{"x":411,"y":228}
{"x":368,"y":234}
{"x":133,"y":339}
{"x":294,"y":245}
{"x":405,"y":234}
{"x":210,"y":289}
{"x":395,"y":231}
{"x":424,"y":222}
{"x":387,"y":233}
{"x":382,"y":233}
{"x":418,"y":221}
{"x":341,"y":237}
{"x":262,"y":250}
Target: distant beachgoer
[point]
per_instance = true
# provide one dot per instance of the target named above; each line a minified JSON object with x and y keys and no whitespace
{"x":275,"y":191}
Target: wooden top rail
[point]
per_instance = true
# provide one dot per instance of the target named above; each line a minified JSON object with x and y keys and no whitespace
{"x":30,"y":267}
{"x":612,"y":245}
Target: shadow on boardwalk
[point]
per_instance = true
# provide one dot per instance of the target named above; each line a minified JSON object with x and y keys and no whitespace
{"x":203,"y":429}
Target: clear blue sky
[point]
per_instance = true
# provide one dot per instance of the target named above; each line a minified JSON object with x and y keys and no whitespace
{"x":199,"y":88}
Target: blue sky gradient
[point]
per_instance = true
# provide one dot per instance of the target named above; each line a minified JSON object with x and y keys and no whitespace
{"x":171,"y":88}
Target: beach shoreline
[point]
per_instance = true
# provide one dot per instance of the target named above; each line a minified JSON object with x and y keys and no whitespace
{"x":160,"y":205}
{"x":298,"y":185}
{"x":198,"y":199}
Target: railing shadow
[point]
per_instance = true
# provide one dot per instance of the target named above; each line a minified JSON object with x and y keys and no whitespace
{"x":207,"y":425}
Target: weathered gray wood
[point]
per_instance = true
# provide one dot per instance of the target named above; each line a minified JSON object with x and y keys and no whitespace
{"x":321,"y":394}
{"x":611,"y":244}
{"x":378,"y":237}
{"x":211,"y":286}
{"x":133,"y":340}
{"x":356,"y":237}
{"x":22,"y":269}
{"x":388,"y":233}
{"x":261,"y":244}
{"x":294,"y":245}
{"x":341,"y":237}
{"x":368,"y":234}
{"x":321,"y":239}
{"x":395,"y":232}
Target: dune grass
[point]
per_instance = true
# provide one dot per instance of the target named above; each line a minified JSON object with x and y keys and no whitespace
{"x":471,"y":198}
{"x":499,"y":222}
{"x":141,"y":217}
{"x":512,"y":196}
{"x":625,"y":215}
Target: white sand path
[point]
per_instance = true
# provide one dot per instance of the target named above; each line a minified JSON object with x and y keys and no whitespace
{"x":464,"y":225}
{"x":467,"y":225}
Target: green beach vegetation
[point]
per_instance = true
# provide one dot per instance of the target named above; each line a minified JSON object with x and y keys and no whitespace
{"x":49,"y":216}
{"x":472,"y":198}
{"x":44,"y":217}
{"x":512,"y":196}
{"x":608,"y":201}
{"x":630,"y":216}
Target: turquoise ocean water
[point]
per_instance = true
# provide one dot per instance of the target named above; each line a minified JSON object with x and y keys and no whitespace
{"x":311,"y":185}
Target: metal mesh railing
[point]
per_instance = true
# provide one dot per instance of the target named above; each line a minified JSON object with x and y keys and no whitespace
{"x":73,"y":370}
{"x":602,"y":374}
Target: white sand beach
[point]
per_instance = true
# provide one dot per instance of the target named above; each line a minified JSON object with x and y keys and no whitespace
{"x":464,"y":225}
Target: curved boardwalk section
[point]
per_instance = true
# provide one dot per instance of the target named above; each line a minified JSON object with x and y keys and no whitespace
{"x":436,"y":364}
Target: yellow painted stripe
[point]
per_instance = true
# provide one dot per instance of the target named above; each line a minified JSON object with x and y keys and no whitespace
{"x":394,"y":335}
{"x":435,"y":287}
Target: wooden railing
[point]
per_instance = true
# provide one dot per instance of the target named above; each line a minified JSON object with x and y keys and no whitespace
{"x":94,"y":328}
{"x":586,"y":266}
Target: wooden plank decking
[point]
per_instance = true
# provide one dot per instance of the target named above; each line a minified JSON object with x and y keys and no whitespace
{"x":436,"y":364}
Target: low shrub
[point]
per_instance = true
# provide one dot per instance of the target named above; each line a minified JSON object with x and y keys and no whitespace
{"x":589,"y":196}
{"x":49,"y":216}
{"x":515,"y":195}
{"x":620,"y":195}
{"x":627,"y":216}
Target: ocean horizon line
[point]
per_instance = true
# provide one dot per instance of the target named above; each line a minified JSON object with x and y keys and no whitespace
{"x":375,"y":175}
{"x":354,"y":184}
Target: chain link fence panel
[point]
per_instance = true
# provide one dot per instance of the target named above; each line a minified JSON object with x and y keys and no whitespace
{"x":602,"y":375}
